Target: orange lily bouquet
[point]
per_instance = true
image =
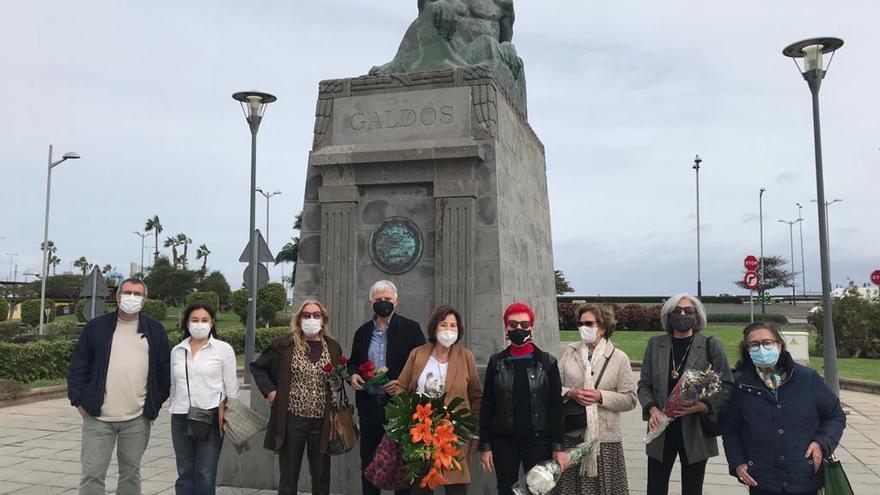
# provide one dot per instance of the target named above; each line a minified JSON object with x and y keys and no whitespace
{"x":430,"y":433}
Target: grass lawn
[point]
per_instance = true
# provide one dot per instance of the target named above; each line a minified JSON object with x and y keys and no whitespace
{"x":224,"y":320}
{"x":46,"y":383}
{"x":634,"y":343}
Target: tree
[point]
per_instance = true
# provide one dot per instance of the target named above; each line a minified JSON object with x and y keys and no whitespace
{"x":156,"y":226}
{"x":290,"y":252}
{"x":107,"y":269}
{"x":59,"y":287}
{"x":202,"y":253}
{"x":856,"y":325}
{"x":775,"y":274}
{"x":173,"y":242}
{"x":51,"y":259}
{"x":83,"y":264}
{"x":562,"y":285}
{"x":170,"y":284}
{"x":184,"y":241}
{"x":216,"y":282}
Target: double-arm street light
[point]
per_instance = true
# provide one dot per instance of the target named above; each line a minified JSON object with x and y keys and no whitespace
{"x":828,"y":221}
{"x":45,"y":267}
{"x":803,"y":263}
{"x":813,"y":71}
{"x":696,"y":167}
{"x":253,"y":104}
{"x":268,"y":196}
{"x":790,"y":224}
{"x":143,"y":236}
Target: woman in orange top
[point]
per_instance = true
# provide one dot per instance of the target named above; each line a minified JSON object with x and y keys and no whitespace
{"x":443,"y":364}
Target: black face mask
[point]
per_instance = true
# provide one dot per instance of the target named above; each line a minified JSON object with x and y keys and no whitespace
{"x":519,"y":336}
{"x":681,"y":323}
{"x":383,"y":308}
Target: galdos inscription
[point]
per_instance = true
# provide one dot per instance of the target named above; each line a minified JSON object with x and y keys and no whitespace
{"x":415,"y":115}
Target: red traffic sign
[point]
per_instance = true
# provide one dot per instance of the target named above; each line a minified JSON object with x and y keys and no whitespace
{"x":875,"y":277}
{"x":751,"y":263}
{"x":751,"y":280}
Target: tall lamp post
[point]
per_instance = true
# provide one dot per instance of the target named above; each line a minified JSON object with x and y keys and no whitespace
{"x":253,"y":104}
{"x":12,"y":257}
{"x":761,"y":228}
{"x":790,"y":224}
{"x":813,"y":72}
{"x":268,"y":196}
{"x":828,"y":223}
{"x":45,"y":268}
{"x":143,"y":236}
{"x":803,"y":263}
{"x":696,"y":167}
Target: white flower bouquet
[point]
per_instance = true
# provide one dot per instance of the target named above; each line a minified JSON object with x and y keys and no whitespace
{"x":544,"y":477}
{"x":693,"y":386}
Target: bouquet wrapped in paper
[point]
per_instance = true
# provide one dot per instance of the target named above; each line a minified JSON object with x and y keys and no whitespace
{"x":693,"y":386}
{"x":542,"y":478}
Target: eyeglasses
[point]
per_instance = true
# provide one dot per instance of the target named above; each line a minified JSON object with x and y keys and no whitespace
{"x":689,"y":311}
{"x":133,"y":293}
{"x":513,"y":325}
{"x":316,"y":315}
{"x":586,"y":323}
{"x":767,"y":344}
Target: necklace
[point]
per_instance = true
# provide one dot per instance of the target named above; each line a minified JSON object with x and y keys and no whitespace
{"x":675,"y":367}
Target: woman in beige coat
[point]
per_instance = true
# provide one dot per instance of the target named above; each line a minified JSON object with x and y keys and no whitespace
{"x":443,"y":364}
{"x":597,"y":385}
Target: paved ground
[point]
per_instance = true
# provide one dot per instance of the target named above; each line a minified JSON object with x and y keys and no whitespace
{"x":40,"y":451}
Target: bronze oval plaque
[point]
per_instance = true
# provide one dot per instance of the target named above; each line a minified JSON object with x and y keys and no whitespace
{"x":396,"y":245}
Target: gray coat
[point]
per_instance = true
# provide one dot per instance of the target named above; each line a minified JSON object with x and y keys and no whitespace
{"x":654,"y":384}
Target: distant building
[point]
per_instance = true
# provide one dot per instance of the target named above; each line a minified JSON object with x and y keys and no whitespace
{"x":863,"y":292}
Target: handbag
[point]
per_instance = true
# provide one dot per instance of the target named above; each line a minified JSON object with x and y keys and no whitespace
{"x":242,"y":423}
{"x":386,"y":471}
{"x":836,"y":481}
{"x":574,"y":415}
{"x":199,"y":422}
{"x":713,"y":425}
{"x":343,"y":433}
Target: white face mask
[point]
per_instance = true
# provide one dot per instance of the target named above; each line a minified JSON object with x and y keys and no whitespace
{"x":131,"y":304}
{"x":447,"y":337}
{"x":310,"y":327}
{"x":588,"y":334}
{"x":199,"y":330}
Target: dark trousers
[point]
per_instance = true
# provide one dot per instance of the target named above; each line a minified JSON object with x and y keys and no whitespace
{"x":303,"y":434}
{"x":460,"y":489}
{"x":371,"y":416}
{"x":196,"y":459}
{"x":758,"y":491}
{"x":508,"y":454}
{"x":658,"y":472}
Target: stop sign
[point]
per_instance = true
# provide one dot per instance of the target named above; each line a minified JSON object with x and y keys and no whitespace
{"x":751,"y":280}
{"x":875,"y":277}
{"x":751,"y":263}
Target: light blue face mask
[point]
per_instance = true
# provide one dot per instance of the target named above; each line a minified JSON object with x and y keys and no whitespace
{"x":765,"y":358}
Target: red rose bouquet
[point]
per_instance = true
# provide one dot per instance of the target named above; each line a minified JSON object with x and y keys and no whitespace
{"x":372,"y":376}
{"x":337,"y":372}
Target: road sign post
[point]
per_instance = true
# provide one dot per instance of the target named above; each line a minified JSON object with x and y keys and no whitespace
{"x":875,"y":277}
{"x":752,"y":281}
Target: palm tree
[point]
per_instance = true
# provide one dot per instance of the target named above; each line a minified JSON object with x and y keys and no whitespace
{"x":154,"y":225}
{"x":290,"y":252}
{"x":83,"y":264}
{"x":51,"y":259}
{"x":185,"y":241}
{"x":107,"y":268}
{"x":202,"y":253}
{"x":172,"y":242}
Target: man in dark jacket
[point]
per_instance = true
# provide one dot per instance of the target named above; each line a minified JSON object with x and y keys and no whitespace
{"x":118,"y":379}
{"x":385,"y":341}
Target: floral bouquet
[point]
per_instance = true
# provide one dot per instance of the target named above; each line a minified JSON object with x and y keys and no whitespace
{"x":337,"y":372}
{"x":542,"y":478}
{"x":430,"y":433}
{"x":693,"y":386}
{"x":373,"y":377}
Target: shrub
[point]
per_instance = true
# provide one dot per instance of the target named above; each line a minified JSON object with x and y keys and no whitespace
{"x":9,"y":330}
{"x":856,"y":326}
{"x":240,"y":304}
{"x":745,"y":318}
{"x":41,"y":360}
{"x":155,"y":309}
{"x":271,"y":299}
{"x":638,"y":317}
{"x":281,"y":319}
{"x":208,"y":298}
{"x":63,"y":330}
{"x":264,"y":336}
{"x":10,"y":389}
{"x":567,"y":319}
{"x":30,"y":312}
{"x":4,"y":310}
{"x":109,"y":307}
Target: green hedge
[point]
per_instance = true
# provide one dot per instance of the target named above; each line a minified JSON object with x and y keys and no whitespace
{"x":4,"y":310}
{"x":10,"y":330}
{"x":30,"y":311}
{"x":208,"y":298}
{"x":155,"y":309}
{"x":45,"y":359}
{"x":745,"y":318}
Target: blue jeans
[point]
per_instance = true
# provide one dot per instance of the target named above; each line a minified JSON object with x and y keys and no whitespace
{"x":196,"y":459}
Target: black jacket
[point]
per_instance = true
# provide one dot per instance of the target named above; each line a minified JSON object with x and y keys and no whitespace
{"x":545,"y":390}
{"x":404,"y":335}
{"x":87,"y":372}
{"x":771,"y":434}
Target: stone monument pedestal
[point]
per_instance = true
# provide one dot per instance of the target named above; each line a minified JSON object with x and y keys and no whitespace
{"x":436,"y":182}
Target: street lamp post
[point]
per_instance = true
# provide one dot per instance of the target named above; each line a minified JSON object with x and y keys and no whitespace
{"x":268,"y":196}
{"x":814,"y":72}
{"x":253,"y":104}
{"x":828,"y":222}
{"x":761,"y":228}
{"x":143,"y":236}
{"x":803,"y":263}
{"x":12,"y":257}
{"x":696,"y":167}
{"x":790,"y":224}
{"x":45,"y":267}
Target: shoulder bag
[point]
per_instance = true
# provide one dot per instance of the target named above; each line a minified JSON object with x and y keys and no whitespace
{"x":199,"y":422}
{"x":343,"y":433}
{"x":836,"y":481}
{"x":574,"y":414}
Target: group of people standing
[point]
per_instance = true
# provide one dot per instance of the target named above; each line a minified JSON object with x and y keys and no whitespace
{"x":779,"y":420}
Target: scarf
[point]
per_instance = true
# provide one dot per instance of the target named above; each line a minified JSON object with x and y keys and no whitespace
{"x":589,"y":466}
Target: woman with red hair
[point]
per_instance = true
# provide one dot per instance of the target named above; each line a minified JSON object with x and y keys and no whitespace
{"x":521,"y":412}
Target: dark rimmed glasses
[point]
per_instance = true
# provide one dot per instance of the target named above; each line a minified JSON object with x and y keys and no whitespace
{"x":767,"y":344}
{"x":513,"y":324}
{"x":316,"y":315}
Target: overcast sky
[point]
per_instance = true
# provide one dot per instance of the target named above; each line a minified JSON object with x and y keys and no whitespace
{"x":623,"y":95}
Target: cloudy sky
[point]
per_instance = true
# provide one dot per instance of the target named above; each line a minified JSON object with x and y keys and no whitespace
{"x":623,"y":94}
